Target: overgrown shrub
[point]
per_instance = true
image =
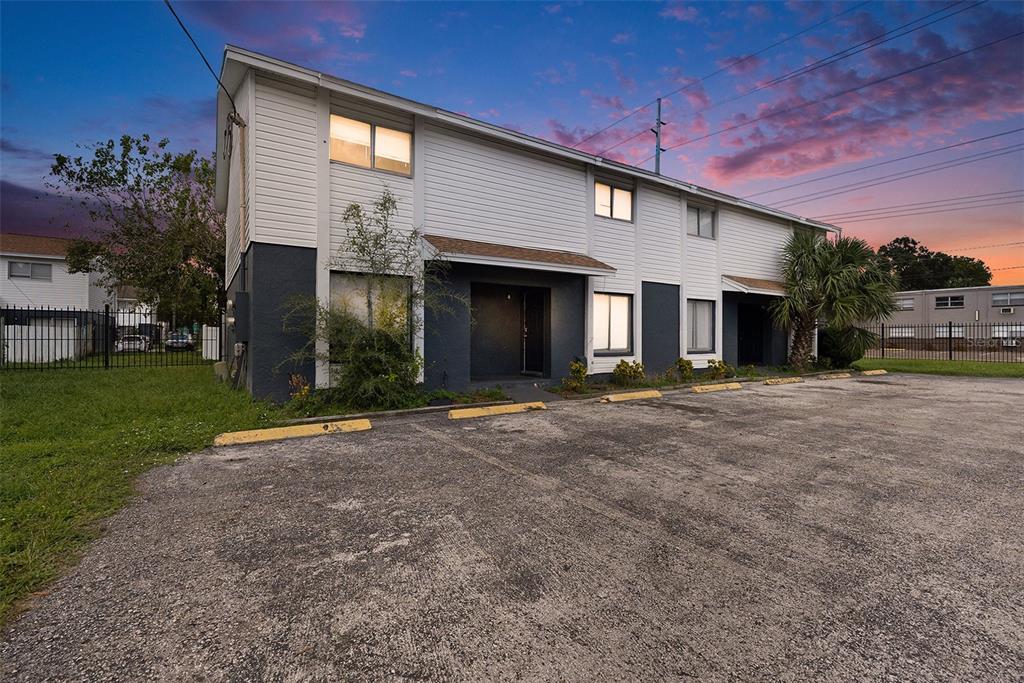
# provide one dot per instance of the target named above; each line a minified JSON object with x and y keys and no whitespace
{"x":626,"y":373}
{"x":719,"y":369}
{"x":684,"y":368}
{"x":842,"y":347}
{"x":577,"y":379}
{"x":377,"y":369}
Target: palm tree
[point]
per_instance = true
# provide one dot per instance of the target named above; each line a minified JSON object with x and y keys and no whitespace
{"x":839,"y":284}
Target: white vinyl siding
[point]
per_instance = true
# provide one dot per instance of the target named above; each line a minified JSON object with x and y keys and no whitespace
{"x":659,"y":221}
{"x":285,"y":206}
{"x":751,"y":245}
{"x":62,"y":289}
{"x":237,"y":234}
{"x":363,"y":186}
{"x":490,"y":192}
{"x":614,"y":243}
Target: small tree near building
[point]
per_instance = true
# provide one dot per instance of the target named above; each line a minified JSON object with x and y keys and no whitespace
{"x":838,"y":284}
{"x":155,"y":224}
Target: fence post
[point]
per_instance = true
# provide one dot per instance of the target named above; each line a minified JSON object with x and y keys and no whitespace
{"x":949,"y":339}
{"x":106,"y":336}
{"x":883,"y":340}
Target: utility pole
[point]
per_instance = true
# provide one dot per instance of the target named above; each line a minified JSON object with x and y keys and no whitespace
{"x":657,"y":140}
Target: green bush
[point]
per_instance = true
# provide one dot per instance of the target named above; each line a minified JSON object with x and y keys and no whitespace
{"x":377,"y":371}
{"x":626,"y":373}
{"x":577,"y":379}
{"x":684,"y":368}
{"x":748,"y":371}
{"x":719,"y":369}
{"x":842,"y":347}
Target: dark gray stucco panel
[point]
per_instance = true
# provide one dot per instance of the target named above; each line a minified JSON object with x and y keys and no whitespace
{"x":660,"y":325}
{"x":448,"y":336}
{"x":275,"y":274}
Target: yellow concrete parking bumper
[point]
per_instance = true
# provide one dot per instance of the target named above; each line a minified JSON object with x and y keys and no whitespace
{"x":875,"y":372}
{"x":294,"y":432}
{"x":836,"y":375}
{"x":771,"y":381}
{"x":708,"y":388}
{"x":631,"y":396}
{"x":463,"y":413}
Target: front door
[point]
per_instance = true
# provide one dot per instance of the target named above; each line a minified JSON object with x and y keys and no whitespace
{"x":533,"y":332}
{"x":750,"y":329}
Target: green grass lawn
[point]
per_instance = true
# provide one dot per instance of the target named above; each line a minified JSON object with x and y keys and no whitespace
{"x":71,"y":441}
{"x":943,"y":367}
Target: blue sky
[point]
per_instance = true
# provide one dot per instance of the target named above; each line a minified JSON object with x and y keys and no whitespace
{"x":81,"y":72}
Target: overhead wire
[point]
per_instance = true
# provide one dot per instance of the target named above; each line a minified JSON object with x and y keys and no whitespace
{"x":840,"y":93}
{"x":725,"y":67}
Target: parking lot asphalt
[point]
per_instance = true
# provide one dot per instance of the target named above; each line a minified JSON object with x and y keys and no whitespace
{"x":869,"y":528}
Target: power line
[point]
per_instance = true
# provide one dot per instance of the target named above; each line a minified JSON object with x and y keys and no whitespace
{"x":972,"y":204}
{"x":987,"y":246}
{"x":718,"y":71}
{"x":1008,"y":268}
{"x":1016,"y":202}
{"x":900,"y":175}
{"x":234,"y":110}
{"x":883,"y":163}
{"x":839,"y":56}
{"x":847,"y":91}
{"x":947,"y":200}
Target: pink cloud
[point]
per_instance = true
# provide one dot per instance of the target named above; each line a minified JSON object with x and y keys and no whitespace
{"x":801,"y":135}
{"x":680,"y":12}
{"x":623,"y":38}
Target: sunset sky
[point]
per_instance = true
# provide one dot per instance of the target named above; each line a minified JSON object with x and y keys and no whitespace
{"x":750,"y":109}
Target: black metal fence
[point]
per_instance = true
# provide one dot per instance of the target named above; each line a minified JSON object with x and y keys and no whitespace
{"x":990,"y":342}
{"x":39,"y":338}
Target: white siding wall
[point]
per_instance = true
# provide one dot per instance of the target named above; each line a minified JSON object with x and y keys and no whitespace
{"x":285,"y":132}
{"x":63,"y":290}
{"x":350,"y":184}
{"x":489,"y":192}
{"x":660,"y":234}
{"x":238,"y":236}
{"x":751,"y":245}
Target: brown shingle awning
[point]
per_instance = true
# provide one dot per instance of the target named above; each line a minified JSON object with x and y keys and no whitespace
{"x":520,"y":257}
{"x":756,"y":285}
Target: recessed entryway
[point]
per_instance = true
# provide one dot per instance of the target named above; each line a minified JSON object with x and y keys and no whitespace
{"x":511,"y":331}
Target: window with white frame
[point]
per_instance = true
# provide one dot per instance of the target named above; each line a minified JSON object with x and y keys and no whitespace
{"x":612,"y":201}
{"x":947,"y":331}
{"x":897,"y":332}
{"x":942,"y":302}
{"x":29,"y":271}
{"x":613,"y":323}
{"x":700,"y":320}
{"x":700,"y":222}
{"x":1008,"y":299}
{"x":904,"y":303}
{"x":370,"y":146}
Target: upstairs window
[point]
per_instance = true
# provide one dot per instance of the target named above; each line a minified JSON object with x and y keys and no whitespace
{"x":370,"y":146}
{"x":700,"y":222}
{"x":613,"y":323}
{"x":613,"y":202}
{"x":904,"y":303}
{"x":29,"y":271}
{"x":1008,"y":299}
{"x":949,"y":301}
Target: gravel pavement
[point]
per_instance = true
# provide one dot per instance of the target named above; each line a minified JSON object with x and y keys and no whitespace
{"x":847,"y":530}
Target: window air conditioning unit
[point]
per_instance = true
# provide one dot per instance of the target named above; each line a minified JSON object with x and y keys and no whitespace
{"x":1006,"y":310}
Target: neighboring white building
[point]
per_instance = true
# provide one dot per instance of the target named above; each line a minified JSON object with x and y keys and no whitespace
{"x":563,"y":254}
{"x":34,"y":273}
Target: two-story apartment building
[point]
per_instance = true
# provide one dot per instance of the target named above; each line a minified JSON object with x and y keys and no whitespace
{"x":562,"y":254}
{"x":995,"y":311}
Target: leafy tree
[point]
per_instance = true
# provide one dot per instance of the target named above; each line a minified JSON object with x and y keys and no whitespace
{"x":917,"y":267}
{"x":155,"y":224}
{"x":839,"y":285}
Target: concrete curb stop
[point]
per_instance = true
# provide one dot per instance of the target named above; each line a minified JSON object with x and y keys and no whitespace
{"x":708,"y":388}
{"x":293,"y":432}
{"x":464,"y":413}
{"x":631,"y":396}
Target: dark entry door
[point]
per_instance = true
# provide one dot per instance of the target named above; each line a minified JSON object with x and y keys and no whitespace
{"x":533,"y":332}
{"x":750,"y":330}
